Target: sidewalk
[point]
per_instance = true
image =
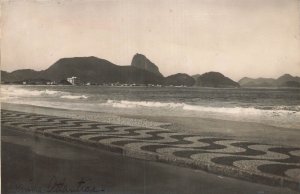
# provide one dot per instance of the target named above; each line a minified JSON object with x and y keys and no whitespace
{"x":261,"y":163}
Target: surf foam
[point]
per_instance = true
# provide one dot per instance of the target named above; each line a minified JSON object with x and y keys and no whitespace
{"x":74,"y":96}
{"x":198,"y":108}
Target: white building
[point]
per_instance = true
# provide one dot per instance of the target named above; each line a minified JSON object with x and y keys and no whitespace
{"x":73,"y":80}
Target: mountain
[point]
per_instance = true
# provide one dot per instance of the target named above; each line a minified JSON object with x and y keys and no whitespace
{"x":285,"y":80}
{"x":141,"y":71}
{"x":141,"y":62}
{"x":259,"y":82}
{"x":292,"y":84}
{"x":196,"y":76}
{"x":5,"y":75}
{"x":179,"y":79}
{"x":88,"y":69}
{"x":215,"y":79}
{"x":19,"y":75}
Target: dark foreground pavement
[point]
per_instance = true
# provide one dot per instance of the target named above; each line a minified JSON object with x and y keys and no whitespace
{"x":35,"y":164}
{"x":263,"y":163}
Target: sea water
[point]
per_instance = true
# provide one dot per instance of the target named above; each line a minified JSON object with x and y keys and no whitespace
{"x":274,"y":106}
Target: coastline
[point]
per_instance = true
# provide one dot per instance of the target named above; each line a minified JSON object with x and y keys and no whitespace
{"x":249,"y":131}
{"x":83,"y":115}
{"x":247,"y":160}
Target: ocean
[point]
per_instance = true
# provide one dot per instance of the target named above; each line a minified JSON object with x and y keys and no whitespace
{"x":272,"y":106}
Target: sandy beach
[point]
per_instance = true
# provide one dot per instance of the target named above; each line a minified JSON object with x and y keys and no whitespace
{"x":243,"y":150}
{"x":249,"y":131}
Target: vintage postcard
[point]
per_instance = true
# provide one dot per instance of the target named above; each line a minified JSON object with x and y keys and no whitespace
{"x":150,"y":96}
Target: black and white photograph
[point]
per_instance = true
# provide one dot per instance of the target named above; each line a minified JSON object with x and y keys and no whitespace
{"x":150,"y":96}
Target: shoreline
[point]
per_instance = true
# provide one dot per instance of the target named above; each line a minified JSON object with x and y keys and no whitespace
{"x":252,"y":161}
{"x":83,"y":115}
{"x":242,"y":130}
{"x":155,"y":86}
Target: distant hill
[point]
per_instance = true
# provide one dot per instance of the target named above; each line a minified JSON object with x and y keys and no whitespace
{"x":292,"y":84}
{"x":285,"y":80}
{"x":141,"y":62}
{"x":141,"y":71}
{"x":259,"y":82}
{"x":215,"y":79}
{"x":196,"y":76}
{"x":19,"y":75}
{"x":100,"y":71}
{"x":88,"y":69}
{"x":5,"y":75}
{"x":179,"y":79}
{"x":282,"y":80}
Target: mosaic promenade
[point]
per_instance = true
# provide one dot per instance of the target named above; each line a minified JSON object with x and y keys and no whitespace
{"x":256,"y":162}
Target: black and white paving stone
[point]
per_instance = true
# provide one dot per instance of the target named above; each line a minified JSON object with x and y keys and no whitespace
{"x":270,"y":164}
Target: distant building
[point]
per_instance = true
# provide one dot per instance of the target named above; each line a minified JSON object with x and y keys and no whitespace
{"x":51,"y":83}
{"x":74,"y":80}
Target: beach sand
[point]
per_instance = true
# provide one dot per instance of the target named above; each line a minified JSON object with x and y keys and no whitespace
{"x":239,"y":130}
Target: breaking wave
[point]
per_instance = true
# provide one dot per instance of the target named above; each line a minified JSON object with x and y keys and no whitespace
{"x":133,"y":104}
{"x":100,"y":100}
{"x":198,"y":108}
{"x":19,"y":92}
{"x":74,"y":97}
{"x":16,"y":92}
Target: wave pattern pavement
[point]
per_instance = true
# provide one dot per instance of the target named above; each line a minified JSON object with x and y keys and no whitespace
{"x":262,"y":163}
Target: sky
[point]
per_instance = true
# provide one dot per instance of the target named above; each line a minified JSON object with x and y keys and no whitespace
{"x":238,"y":38}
